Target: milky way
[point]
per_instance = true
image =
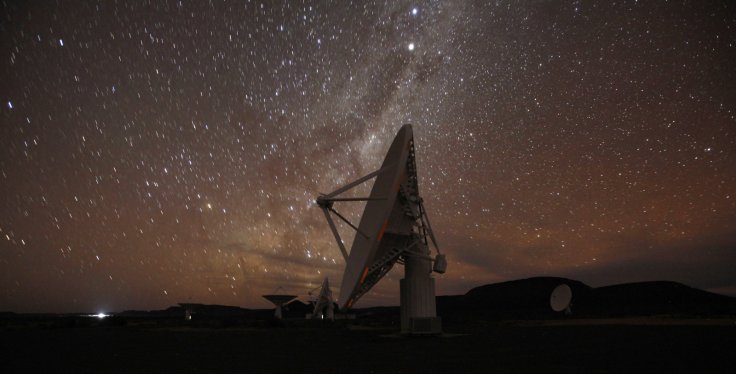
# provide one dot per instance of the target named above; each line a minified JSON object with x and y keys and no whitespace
{"x":170,"y":151}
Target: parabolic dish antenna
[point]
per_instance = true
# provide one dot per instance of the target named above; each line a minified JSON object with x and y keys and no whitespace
{"x":323,"y":306}
{"x":279,"y":301}
{"x":394,"y":228}
{"x":560,"y":298}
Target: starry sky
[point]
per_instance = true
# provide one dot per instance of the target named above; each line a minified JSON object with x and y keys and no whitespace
{"x":157,"y":152}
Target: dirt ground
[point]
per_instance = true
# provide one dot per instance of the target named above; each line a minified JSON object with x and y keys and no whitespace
{"x":586,"y":347}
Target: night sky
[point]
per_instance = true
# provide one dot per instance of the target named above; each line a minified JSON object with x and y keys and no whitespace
{"x":157,"y":152}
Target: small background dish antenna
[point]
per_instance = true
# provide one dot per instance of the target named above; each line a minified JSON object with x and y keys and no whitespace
{"x":560,"y":299}
{"x":324,"y":304}
{"x":279,"y":300}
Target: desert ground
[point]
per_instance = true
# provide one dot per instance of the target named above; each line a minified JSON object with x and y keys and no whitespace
{"x":558,"y":346}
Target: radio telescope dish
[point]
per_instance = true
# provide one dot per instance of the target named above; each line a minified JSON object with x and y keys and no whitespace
{"x":560,"y":298}
{"x":279,"y":301}
{"x":394,"y":228}
{"x":323,"y":306}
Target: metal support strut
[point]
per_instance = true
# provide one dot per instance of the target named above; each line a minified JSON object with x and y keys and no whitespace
{"x":327,"y":201}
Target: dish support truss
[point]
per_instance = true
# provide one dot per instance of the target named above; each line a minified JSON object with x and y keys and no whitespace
{"x":418,"y":308}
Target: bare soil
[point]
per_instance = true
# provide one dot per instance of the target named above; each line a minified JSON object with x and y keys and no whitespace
{"x":605,"y":346}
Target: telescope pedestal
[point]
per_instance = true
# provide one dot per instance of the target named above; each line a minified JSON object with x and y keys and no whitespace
{"x":418,"y":304}
{"x":277,"y":313}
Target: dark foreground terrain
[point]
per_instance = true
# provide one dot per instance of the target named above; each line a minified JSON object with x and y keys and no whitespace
{"x":509,"y":327}
{"x":585,"y":346}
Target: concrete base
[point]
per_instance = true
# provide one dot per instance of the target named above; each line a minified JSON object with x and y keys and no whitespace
{"x":418,"y":304}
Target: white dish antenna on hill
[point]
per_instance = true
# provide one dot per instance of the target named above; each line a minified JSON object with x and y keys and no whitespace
{"x":560,"y":299}
{"x":394,"y":228}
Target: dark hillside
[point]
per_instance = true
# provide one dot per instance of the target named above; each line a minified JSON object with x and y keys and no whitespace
{"x":529,"y":299}
{"x":658,"y":298}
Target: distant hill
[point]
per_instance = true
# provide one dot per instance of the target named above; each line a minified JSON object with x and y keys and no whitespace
{"x":512,"y":300}
{"x":529,"y":299}
{"x":294,"y":309}
{"x":656,"y":298}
